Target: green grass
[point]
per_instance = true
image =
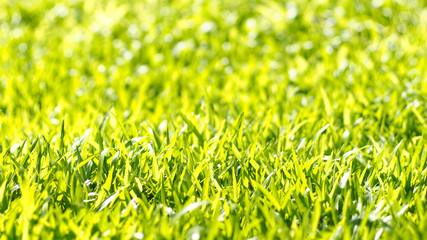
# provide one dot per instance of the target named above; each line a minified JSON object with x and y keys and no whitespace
{"x":213,"y":119}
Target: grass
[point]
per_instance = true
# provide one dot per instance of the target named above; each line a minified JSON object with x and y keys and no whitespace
{"x":213,"y":119}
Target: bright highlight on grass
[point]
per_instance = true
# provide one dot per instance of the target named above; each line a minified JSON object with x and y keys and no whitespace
{"x":213,"y":119}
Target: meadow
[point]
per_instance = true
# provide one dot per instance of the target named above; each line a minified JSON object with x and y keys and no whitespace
{"x":213,"y":119}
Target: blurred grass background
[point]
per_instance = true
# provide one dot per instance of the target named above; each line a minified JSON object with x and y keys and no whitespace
{"x":74,"y":59}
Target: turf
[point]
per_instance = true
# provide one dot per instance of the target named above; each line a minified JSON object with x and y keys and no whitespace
{"x":213,"y":119}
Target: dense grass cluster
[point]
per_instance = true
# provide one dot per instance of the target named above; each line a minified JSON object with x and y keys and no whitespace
{"x":213,"y":119}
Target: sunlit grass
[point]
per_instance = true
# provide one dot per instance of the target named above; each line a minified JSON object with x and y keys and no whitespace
{"x":213,"y":119}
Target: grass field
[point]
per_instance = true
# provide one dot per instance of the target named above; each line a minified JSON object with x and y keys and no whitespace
{"x":213,"y":119}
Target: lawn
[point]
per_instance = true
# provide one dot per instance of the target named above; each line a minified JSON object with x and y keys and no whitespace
{"x":213,"y":119}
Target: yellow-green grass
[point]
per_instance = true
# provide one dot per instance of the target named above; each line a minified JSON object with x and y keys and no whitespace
{"x":213,"y":119}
